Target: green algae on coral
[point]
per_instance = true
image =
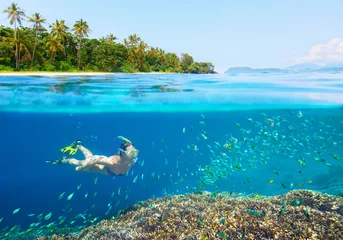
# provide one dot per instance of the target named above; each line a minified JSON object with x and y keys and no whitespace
{"x":319,"y":216}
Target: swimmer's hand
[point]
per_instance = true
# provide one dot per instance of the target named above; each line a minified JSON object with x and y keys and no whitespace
{"x":71,"y":149}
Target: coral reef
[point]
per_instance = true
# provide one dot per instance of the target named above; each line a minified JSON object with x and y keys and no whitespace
{"x":299,"y":214}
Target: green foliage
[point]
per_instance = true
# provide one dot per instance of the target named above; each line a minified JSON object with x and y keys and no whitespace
{"x":61,"y":48}
{"x":66,"y":66}
{"x":128,"y":68}
{"x":49,"y":67}
{"x":5,"y":68}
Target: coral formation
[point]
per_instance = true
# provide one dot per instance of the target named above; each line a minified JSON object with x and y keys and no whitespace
{"x":299,"y":214}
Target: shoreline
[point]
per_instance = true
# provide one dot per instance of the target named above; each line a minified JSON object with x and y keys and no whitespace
{"x":48,"y":74}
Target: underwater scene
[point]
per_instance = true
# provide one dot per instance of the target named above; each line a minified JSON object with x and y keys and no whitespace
{"x":172,"y":156}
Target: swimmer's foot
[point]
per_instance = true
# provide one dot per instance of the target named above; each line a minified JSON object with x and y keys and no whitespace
{"x":58,"y":161}
{"x":76,"y":143}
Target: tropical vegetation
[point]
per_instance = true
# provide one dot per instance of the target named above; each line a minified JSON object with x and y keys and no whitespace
{"x":62,"y":48}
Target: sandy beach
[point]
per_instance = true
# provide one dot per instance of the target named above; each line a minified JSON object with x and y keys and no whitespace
{"x":50,"y":74}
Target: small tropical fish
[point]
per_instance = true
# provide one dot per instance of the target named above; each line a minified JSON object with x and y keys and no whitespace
{"x":78,"y":187}
{"x":16,"y":211}
{"x":275,"y":172}
{"x":309,"y":181}
{"x":1,"y":219}
{"x":238,"y":125}
{"x":86,"y":195}
{"x":300,"y":114}
{"x":184,"y":130}
{"x":70,"y":197}
{"x":335,"y":156}
{"x":228,"y":146}
{"x":204,"y":136}
{"x":95,"y":180}
{"x":203,"y":116}
{"x":48,"y":216}
{"x":94,"y":195}
{"x":117,"y":204}
{"x":31,"y":215}
{"x":301,"y":161}
{"x":51,"y":224}
{"x":250,"y":120}
{"x":61,"y":196}
{"x":301,"y":184}
{"x":271,"y":181}
{"x":135,"y":179}
{"x":118,"y":190}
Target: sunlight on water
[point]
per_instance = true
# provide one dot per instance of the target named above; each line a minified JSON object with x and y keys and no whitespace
{"x":169,"y":93}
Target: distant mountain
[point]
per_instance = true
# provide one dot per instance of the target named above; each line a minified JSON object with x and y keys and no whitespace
{"x":337,"y":65}
{"x":303,"y":66}
{"x":236,"y":70}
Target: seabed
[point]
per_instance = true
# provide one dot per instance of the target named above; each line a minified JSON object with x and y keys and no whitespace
{"x":299,"y":214}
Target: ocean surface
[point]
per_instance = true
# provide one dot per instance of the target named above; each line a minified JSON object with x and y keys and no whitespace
{"x":263,"y":134}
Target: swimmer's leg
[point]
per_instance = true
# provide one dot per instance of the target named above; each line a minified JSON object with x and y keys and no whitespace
{"x":70,"y":161}
{"x":88,"y":154}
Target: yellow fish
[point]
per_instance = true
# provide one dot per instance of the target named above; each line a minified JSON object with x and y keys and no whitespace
{"x":271,"y":181}
{"x":309,"y":181}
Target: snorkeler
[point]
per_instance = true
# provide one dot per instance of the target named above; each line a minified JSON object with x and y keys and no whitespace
{"x":116,"y":165}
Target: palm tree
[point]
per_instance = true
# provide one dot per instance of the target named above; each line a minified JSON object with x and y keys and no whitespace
{"x":59,"y":29}
{"x":37,"y":21}
{"x":81,"y":29}
{"x":15,"y":14}
{"x":24,"y":42}
{"x":53,"y":46}
{"x":111,"y":38}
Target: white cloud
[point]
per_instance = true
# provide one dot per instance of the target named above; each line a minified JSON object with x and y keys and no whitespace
{"x":328,"y":53}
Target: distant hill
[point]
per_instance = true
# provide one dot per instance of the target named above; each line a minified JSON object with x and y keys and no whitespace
{"x":306,"y":67}
{"x":337,"y":65}
{"x":236,"y":70}
{"x":303,"y":66}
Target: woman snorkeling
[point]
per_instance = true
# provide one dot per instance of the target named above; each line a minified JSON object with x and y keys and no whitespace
{"x":117,"y":165}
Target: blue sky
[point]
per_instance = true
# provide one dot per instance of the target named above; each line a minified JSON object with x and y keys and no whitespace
{"x":262,"y":33}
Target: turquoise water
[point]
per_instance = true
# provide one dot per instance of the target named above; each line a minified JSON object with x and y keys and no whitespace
{"x":252,"y":134}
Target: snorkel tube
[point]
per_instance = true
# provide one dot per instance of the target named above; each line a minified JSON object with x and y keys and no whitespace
{"x":124,"y":139}
{"x":132,"y":153}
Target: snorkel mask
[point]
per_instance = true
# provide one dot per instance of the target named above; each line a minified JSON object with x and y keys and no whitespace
{"x":132,"y":153}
